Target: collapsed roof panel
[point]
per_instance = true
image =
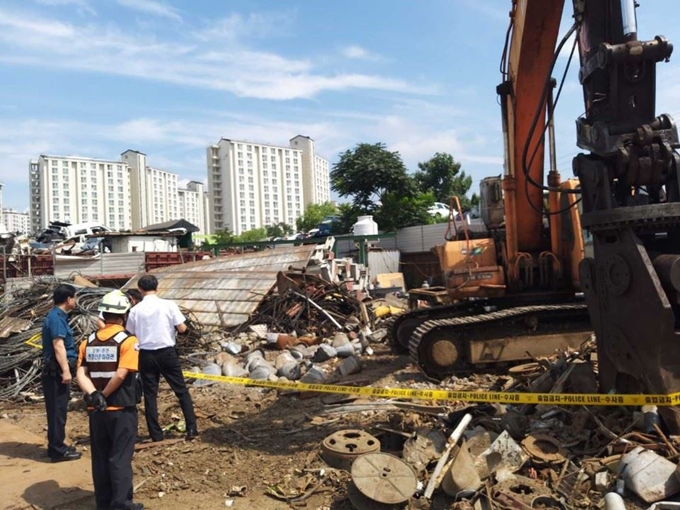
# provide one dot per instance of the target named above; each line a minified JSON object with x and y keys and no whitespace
{"x":224,"y":291}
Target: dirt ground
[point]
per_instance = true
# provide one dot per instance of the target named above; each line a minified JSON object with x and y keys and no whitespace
{"x":253,"y":442}
{"x":251,"y":439}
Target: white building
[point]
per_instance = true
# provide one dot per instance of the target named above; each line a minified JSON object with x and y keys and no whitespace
{"x":154,"y":191}
{"x":193,"y":205}
{"x":315,"y":172}
{"x":79,"y":190}
{"x":125,"y":195}
{"x":15,"y":221}
{"x":253,"y":185}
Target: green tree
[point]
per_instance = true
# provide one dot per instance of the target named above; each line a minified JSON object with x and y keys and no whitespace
{"x":249,"y":236}
{"x":367,"y":172}
{"x":399,"y":211}
{"x":281,"y":229}
{"x":313,"y":215}
{"x":224,"y":236}
{"x":442,"y":176}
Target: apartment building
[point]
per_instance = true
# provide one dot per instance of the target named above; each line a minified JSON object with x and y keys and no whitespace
{"x":15,"y":221}
{"x":125,"y":194}
{"x":315,"y":170}
{"x":193,"y":205}
{"x":154,"y":191}
{"x":253,"y":185}
{"x":79,"y":189}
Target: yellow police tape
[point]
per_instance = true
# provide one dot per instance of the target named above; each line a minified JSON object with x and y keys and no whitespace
{"x":35,"y":341}
{"x":565,"y":399}
{"x":491,"y":397}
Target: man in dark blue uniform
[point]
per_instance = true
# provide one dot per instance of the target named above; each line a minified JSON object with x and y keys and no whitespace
{"x":59,"y":360}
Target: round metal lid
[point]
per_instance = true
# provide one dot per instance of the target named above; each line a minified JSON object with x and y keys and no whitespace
{"x":384,"y":478}
{"x":342,"y":447}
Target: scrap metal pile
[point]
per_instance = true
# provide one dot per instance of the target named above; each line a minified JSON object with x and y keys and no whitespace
{"x":21,"y":318}
{"x":306,"y":304}
{"x":22,"y":313}
{"x":398,"y":454}
{"x":304,"y":322}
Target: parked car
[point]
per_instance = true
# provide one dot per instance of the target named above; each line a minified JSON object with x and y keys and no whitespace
{"x":441,"y":209}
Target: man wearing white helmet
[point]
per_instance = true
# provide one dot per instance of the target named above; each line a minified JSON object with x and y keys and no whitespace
{"x":107,"y":364}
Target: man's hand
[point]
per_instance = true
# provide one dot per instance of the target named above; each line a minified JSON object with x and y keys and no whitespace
{"x":97,"y":400}
{"x":66,"y":377}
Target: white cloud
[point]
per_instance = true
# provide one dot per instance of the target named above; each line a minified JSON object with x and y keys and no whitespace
{"x":255,"y":25}
{"x":82,"y":5}
{"x":359,"y":53}
{"x":152,"y":7}
{"x":176,"y":140}
{"x":243,"y":72}
{"x":31,"y":24}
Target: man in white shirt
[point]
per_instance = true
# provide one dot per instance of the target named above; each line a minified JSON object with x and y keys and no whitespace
{"x":155,"y":322}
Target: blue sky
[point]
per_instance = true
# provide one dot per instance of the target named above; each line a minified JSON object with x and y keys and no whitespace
{"x":170,"y":77}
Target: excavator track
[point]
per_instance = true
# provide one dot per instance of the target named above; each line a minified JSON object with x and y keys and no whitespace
{"x":401,"y":327}
{"x":447,"y":346}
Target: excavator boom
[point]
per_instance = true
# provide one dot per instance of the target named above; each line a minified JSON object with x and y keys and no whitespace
{"x":516,"y":290}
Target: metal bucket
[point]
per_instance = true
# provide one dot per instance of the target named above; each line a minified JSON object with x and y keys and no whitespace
{"x":314,"y":375}
{"x":349,"y":366}
{"x":345,"y":350}
{"x":262,"y":372}
{"x":461,"y":479}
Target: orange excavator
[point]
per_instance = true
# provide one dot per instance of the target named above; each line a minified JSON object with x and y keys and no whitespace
{"x":527,"y":286}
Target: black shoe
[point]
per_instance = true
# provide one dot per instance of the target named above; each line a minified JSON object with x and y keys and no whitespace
{"x":68,"y":449}
{"x":192,"y":434}
{"x":69,"y":455}
{"x":157,"y":439}
{"x":136,"y":506}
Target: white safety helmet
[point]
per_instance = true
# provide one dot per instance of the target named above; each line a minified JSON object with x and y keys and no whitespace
{"x":115,"y":302}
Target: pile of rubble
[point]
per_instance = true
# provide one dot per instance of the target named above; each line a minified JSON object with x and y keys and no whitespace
{"x":493,"y":456}
{"x":306,"y":329}
{"x":397,"y":453}
{"x":22,"y":313}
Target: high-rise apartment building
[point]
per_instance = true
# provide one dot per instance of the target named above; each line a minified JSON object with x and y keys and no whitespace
{"x":15,"y":221}
{"x":154,"y":191}
{"x":193,"y":205}
{"x":253,"y":185}
{"x":315,"y":172}
{"x":78,"y":190}
{"x":125,"y":195}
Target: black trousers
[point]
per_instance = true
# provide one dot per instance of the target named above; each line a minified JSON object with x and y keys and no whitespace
{"x":165,"y":362}
{"x":56,"y":405}
{"x":112,"y":436}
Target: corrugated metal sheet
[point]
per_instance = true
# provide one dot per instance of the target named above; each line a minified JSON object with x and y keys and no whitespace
{"x":380,"y":262}
{"x":217,"y":298}
{"x":424,"y":237}
{"x":224,"y":291}
{"x":281,"y":257}
{"x":108,"y":263}
{"x":9,"y":325}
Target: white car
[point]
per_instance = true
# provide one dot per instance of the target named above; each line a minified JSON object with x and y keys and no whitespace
{"x":439,"y":208}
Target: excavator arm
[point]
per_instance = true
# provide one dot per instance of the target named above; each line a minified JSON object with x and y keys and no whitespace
{"x":516,"y":287}
{"x":631,"y":203}
{"x":628,"y":180}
